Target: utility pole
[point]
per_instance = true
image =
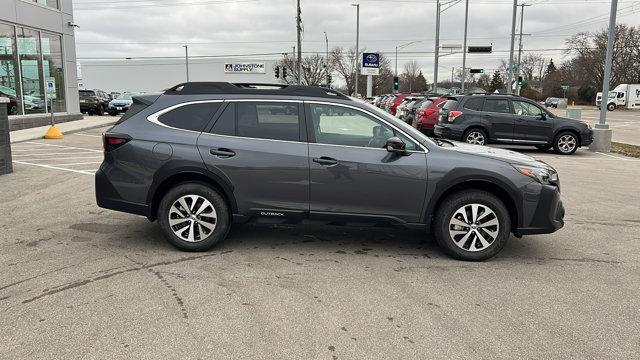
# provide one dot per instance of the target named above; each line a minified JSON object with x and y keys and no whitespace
{"x":464,"y":47}
{"x":452,"y":69}
{"x":513,"y":36}
{"x":607,"y":69}
{"x":520,"y":44}
{"x":186,"y":58}
{"x":299,"y":29}
{"x":355,"y":67}
{"x":437,"y":52}
{"x":326,"y":63}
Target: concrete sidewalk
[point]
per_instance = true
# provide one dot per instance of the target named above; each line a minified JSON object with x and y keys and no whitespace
{"x":89,"y":122}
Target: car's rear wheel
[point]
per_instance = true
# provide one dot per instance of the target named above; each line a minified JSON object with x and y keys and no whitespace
{"x":194,"y":217}
{"x":565,"y":143}
{"x":611,"y":107}
{"x":472,"y":225}
{"x":475,"y":136}
{"x":100,"y":110}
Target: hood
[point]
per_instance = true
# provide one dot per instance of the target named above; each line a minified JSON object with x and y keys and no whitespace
{"x":509,"y":156}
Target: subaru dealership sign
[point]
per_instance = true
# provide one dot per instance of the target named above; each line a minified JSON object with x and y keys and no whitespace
{"x":370,"y":64}
{"x":245,"y":67}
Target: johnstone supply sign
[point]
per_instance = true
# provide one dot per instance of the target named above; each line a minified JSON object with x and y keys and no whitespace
{"x":244,"y":68}
{"x":370,"y":64}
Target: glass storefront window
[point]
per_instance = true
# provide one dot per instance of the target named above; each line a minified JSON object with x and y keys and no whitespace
{"x":31,"y":69}
{"x":53,"y":68}
{"x":9,"y":79}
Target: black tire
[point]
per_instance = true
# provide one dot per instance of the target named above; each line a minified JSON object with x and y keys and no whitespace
{"x":13,"y":110}
{"x":543,"y":147}
{"x":448,"y":209}
{"x":611,"y":107}
{"x":223,"y":216}
{"x":100,"y":110}
{"x":113,"y":113}
{"x":465,"y":136}
{"x":561,"y":140}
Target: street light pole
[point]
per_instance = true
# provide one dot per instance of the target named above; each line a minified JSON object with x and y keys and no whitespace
{"x":513,"y":36}
{"x":437,"y":50}
{"x":607,"y":67}
{"x":299,"y":30}
{"x":186,"y":59}
{"x":326,"y":64}
{"x":464,"y":47}
{"x":355,"y":66}
{"x":520,"y":44}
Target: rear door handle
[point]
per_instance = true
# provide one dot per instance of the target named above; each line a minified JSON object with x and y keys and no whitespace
{"x":223,"y":152}
{"x":325,"y":160}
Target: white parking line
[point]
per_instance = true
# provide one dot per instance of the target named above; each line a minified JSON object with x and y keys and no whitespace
{"x":86,"y":172}
{"x":80,"y":163}
{"x":64,"y":146}
{"x":81,"y":134}
{"x":613,"y":156}
{"x":69,"y":158}
{"x":64,"y":153}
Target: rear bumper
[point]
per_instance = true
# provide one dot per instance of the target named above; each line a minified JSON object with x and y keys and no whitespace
{"x":108,"y":198}
{"x":447,"y":132}
{"x":547,"y":216}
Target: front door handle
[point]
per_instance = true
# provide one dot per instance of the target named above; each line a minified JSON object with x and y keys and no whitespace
{"x":223,"y":152}
{"x":325,"y":160}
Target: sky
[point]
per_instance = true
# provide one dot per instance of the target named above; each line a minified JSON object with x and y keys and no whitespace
{"x":118,"y":29}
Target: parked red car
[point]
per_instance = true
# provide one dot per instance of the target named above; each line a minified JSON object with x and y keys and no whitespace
{"x":427,"y":115}
{"x":396,"y":101}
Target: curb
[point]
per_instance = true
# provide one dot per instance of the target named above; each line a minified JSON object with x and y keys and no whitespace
{"x":88,"y":127}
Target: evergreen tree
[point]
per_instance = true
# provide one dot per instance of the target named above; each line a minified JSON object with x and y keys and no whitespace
{"x":496,"y":82}
{"x":551,"y":68}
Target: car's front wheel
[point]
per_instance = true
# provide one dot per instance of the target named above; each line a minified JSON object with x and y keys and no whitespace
{"x":475,"y":136}
{"x":611,"y":107}
{"x":472,"y":225}
{"x":565,"y":143}
{"x":194,"y":217}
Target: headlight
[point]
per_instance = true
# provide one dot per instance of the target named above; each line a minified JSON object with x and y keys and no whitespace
{"x":541,"y":175}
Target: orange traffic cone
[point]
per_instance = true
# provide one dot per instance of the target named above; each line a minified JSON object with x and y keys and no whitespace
{"x":53,"y":133}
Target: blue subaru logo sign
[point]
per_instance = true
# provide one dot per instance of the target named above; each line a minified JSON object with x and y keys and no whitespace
{"x":371,"y":60}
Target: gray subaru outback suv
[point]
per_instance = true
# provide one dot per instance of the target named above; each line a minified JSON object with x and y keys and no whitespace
{"x":201,"y":156}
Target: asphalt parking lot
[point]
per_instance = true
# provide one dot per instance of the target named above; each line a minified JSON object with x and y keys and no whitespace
{"x":624,"y":123}
{"x":77,"y":281}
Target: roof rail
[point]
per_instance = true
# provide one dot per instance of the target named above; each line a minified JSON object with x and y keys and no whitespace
{"x":202,"y":88}
{"x":491,"y":93}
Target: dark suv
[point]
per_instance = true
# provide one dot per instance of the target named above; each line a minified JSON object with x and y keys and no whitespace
{"x":203,"y":155}
{"x":93,"y":102}
{"x":493,"y":118}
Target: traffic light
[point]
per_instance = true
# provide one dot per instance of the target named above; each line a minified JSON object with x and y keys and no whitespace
{"x":277,"y":72}
{"x":479,"y":49}
{"x":520,"y":80}
{"x":396,"y":83}
{"x":329,"y":79}
{"x":284,"y":72}
{"x":476,"y":71}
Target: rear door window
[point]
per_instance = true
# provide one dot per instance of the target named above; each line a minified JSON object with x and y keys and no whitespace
{"x":474,"y":103}
{"x":192,"y":117}
{"x":450,"y":104}
{"x":497,"y":106}
{"x":226,"y":123}
{"x":264,"y":120}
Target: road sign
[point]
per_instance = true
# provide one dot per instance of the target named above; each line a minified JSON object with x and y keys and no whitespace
{"x":370,"y":64}
{"x":480,"y":49}
{"x":564,"y":87}
{"x":51,"y":88}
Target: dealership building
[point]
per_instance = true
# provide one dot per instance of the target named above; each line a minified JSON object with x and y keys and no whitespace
{"x":152,"y":75}
{"x":38,"y":61}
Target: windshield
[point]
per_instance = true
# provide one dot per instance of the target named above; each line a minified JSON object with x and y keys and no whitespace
{"x":400,"y":124}
{"x":426,"y":104}
{"x":125,"y":97}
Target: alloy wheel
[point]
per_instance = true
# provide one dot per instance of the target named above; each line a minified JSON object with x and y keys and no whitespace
{"x":474,"y":227}
{"x":566,"y":143}
{"x":475,"y":137}
{"x":192,"y":218}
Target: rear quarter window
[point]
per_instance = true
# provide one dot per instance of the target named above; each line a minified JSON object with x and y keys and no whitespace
{"x":474,"y":103}
{"x":450,"y":104}
{"x":192,"y":117}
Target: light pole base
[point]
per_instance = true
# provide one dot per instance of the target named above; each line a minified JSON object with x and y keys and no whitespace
{"x":601,"y":140}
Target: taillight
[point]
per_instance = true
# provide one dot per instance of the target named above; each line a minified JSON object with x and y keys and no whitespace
{"x":453,"y":115}
{"x":111,"y":142}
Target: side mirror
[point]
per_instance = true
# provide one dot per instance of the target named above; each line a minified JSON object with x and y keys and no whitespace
{"x":396,"y":145}
{"x":543,"y":116}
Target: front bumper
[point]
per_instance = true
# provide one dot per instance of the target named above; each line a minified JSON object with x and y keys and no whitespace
{"x":586,"y":138}
{"x":118,"y":108}
{"x":543,"y":213}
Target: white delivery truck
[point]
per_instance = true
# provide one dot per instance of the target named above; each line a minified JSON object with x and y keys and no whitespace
{"x":624,"y":95}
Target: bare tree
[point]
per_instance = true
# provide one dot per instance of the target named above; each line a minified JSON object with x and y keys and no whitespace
{"x":313,"y":72}
{"x":342,"y":61}
{"x":409,"y":76}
